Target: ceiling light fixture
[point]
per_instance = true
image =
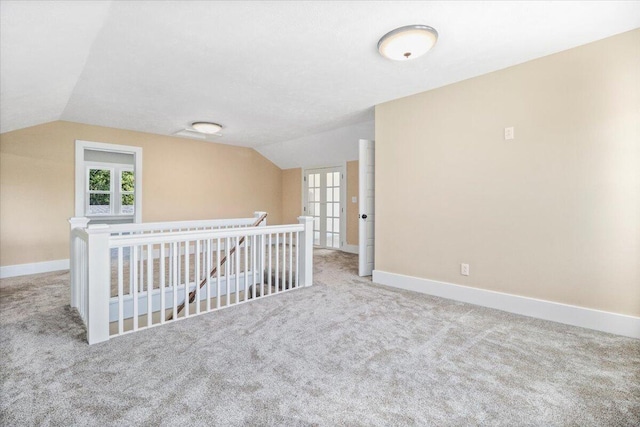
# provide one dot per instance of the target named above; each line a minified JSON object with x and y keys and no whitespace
{"x":206,"y":127}
{"x":408,"y":42}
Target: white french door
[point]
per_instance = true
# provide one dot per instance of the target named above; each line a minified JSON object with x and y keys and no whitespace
{"x":323,"y":189}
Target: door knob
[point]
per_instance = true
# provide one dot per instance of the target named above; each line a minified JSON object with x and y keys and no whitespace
{"x":364,"y":216}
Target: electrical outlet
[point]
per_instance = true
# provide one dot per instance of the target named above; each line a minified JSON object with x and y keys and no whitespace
{"x":464,"y":269}
{"x":509,"y":133}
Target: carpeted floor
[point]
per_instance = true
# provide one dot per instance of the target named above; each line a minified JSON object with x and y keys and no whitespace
{"x":343,"y":352}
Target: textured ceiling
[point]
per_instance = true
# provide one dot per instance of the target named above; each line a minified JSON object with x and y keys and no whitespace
{"x":268,"y":71}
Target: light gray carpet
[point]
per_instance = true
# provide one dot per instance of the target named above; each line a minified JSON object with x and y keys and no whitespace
{"x":343,"y":352}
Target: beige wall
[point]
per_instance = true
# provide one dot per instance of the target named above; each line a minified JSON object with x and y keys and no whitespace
{"x":352,"y":208}
{"x":553,"y":214}
{"x":291,"y":195}
{"x":183,"y":179}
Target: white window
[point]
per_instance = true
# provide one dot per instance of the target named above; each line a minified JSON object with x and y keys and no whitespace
{"x":108,"y":182}
{"x":110,"y":190}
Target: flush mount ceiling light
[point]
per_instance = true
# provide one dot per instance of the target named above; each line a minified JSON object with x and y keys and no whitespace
{"x":405,"y":43}
{"x":206,"y":127}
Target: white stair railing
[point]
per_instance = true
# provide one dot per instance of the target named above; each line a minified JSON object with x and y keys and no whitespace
{"x":125,"y":278}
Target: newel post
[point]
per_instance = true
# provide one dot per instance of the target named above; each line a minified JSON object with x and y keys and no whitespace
{"x":74,"y":265}
{"x":99,"y":284}
{"x":306,"y":251}
{"x":258,"y":214}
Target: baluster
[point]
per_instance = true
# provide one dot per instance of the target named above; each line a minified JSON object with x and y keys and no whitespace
{"x":277,"y":262}
{"x":297,"y":257}
{"x":269,"y":270}
{"x":207,"y":270}
{"x":237,"y":269}
{"x":149,"y":284}
{"x":135,"y":288}
{"x":290,"y":285}
{"x":141,"y":269}
{"x":246,"y":268}
{"x":186,"y":279}
{"x":196,"y":277}
{"x":226,"y":272}
{"x":253,"y":265}
{"x":261,"y":272}
{"x":162,"y":285}
{"x":218,"y":273}
{"x":174,"y":261}
{"x":120,"y":292}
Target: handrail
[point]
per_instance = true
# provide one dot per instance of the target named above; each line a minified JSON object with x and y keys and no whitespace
{"x":173,"y":225}
{"x":179,"y":236}
{"x":192,"y":294}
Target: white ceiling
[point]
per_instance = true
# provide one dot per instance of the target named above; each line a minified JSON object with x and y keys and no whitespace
{"x":268,"y":71}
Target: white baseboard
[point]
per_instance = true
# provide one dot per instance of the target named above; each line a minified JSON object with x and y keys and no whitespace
{"x":33,"y":268}
{"x":604,"y":321}
{"x":352,"y":249}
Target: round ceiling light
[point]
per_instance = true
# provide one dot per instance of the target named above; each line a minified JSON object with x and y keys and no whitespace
{"x":206,"y":127}
{"x":408,"y":42}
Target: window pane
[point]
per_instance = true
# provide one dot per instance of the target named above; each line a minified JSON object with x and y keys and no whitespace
{"x":329,"y":225}
{"x":336,"y":179}
{"x":127,"y":207}
{"x":336,"y":210}
{"x":336,"y":225}
{"x":336,"y":240}
{"x":99,"y":180}
{"x":329,"y":179}
{"x":329,"y":195}
{"x":312,"y":180}
{"x":336,"y":194}
{"x":99,"y":204}
{"x":127,"y":181}
{"x":316,"y":209}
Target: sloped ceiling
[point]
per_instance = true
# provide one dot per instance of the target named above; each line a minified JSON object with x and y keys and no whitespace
{"x":268,"y":71}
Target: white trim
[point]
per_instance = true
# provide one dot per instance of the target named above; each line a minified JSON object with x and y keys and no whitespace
{"x":352,"y":249}
{"x":80,"y":177}
{"x":33,"y":268}
{"x":598,"y":320}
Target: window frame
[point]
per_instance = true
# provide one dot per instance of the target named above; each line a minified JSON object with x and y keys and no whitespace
{"x":115,"y":189}
{"x":82,"y":180}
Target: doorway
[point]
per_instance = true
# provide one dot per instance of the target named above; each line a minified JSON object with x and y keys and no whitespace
{"x":324,"y":201}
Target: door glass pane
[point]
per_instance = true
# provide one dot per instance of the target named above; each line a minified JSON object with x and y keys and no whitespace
{"x":99,"y":180}
{"x":316,"y":223}
{"x":329,"y":224}
{"x":316,"y":238}
{"x":311,"y":180}
{"x":336,"y":194}
{"x":336,"y":209}
{"x":329,"y":180}
{"x":329,"y":195}
{"x":336,"y":178}
{"x":336,"y":225}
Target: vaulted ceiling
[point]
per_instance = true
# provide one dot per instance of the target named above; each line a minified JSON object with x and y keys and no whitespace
{"x":268,"y":71}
